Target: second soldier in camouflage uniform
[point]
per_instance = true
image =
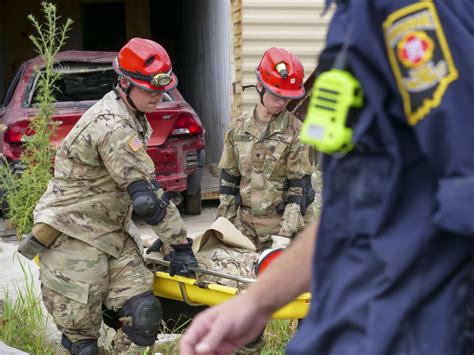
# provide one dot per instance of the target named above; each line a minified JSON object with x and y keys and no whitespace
{"x":102,"y":170}
{"x":266,"y":171}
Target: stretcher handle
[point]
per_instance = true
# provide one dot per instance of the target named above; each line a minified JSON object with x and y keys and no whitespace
{"x":210,"y":272}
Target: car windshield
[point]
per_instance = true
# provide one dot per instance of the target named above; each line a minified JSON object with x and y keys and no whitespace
{"x":81,"y":81}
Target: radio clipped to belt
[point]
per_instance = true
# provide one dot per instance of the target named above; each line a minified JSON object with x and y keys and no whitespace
{"x":335,"y":92}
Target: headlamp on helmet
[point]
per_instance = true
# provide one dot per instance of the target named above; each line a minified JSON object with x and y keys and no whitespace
{"x":281,"y":69}
{"x":161,"y":79}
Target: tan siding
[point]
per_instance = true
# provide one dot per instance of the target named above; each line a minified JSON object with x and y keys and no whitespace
{"x":236,"y":8}
{"x":295,"y":25}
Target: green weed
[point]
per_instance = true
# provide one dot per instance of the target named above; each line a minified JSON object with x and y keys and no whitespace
{"x":25,"y":182}
{"x":23,"y":322}
{"x":277,"y":334}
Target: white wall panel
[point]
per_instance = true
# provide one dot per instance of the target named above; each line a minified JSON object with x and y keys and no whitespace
{"x":295,"y":25}
{"x":207,"y":52}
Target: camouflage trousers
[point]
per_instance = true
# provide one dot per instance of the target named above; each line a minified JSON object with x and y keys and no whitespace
{"x":77,"y":279}
{"x":258,"y":230}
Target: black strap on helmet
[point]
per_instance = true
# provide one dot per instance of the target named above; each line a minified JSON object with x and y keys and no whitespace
{"x":261,"y":93}
{"x":127,"y":91}
{"x":158,"y":79}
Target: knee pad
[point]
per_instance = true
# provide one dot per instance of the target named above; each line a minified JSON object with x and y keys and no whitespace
{"x":146,"y":313}
{"x":145,"y":203}
{"x":81,"y":347}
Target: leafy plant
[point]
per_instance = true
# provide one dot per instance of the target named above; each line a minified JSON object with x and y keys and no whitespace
{"x":36,"y":163}
{"x":23,"y":322}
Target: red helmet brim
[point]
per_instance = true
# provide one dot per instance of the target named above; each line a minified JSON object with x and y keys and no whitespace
{"x":146,"y":85}
{"x":285,"y":94}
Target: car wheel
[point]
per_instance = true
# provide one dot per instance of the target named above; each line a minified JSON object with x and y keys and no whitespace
{"x":192,"y":203}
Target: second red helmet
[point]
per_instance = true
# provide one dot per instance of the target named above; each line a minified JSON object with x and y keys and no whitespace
{"x":281,"y":73}
{"x":146,"y":64}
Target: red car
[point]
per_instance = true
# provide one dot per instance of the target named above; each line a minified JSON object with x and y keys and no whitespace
{"x":176,"y":146}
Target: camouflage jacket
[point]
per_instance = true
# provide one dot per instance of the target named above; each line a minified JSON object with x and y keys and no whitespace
{"x":265,"y":163}
{"x":87,"y":198}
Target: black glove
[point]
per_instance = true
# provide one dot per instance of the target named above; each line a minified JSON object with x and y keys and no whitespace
{"x":181,"y":259}
{"x":156,"y":246}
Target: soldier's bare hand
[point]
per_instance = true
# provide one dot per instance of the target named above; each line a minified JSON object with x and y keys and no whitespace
{"x":224,"y":328}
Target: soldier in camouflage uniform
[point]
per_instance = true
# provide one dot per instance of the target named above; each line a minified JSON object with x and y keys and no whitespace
{"x":266,"y":171}
{"x":229,"y":260}
{"x":102,"y":173}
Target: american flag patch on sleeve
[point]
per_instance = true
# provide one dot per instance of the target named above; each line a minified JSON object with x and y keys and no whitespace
{"x":135,"y":143}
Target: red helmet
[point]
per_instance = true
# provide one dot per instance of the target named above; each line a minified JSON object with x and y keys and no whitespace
{"x":281,"y":73}
{"x":146,"y":64}
{"x":266,"y":258}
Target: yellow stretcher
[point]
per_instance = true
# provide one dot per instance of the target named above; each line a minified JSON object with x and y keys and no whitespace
{"x":195,"y":292}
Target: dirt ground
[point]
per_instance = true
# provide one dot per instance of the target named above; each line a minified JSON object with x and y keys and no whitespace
{"x":198,"y":223}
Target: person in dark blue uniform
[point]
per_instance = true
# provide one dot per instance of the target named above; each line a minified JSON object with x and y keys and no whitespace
{"x":392,"y":269}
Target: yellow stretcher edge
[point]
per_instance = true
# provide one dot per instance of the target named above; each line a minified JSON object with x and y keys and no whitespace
{"x":209,"y":294}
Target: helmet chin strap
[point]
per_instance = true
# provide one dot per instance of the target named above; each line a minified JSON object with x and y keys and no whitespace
{"x":127,"y":91}
{"x":261,"y":93}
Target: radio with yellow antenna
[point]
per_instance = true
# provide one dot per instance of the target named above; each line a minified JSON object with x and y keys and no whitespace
{"x":335,"y":92}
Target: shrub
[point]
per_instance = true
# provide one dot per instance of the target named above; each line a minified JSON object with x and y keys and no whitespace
{"x":24,"y":190}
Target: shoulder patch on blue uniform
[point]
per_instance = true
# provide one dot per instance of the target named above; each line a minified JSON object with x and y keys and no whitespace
{"x":420,"y":58}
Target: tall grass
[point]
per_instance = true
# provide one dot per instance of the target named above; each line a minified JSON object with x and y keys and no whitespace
{"x":23,"y":322}
{"x":277,"y":334}
{"x":23,"y":190}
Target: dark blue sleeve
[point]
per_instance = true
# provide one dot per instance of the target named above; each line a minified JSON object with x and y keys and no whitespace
{"x":416,"y":63}
{"x":442,"y":115}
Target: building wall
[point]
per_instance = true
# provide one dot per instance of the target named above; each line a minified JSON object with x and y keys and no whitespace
{"x":236,"y":69}
{"x":295,"y":25}
{"x":206,"y":54}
